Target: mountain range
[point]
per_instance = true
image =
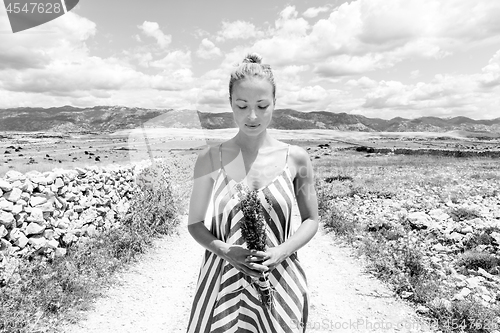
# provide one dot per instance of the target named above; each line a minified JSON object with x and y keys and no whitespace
{"x":112,"y":118}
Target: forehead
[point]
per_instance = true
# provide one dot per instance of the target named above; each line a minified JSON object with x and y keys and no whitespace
{"x":251,"y":88}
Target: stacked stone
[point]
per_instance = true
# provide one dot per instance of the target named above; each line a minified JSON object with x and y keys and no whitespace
{"x":47,"y":212}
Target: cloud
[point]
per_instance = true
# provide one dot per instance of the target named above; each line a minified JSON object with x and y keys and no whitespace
{"x":208,"y":50}
{"x":236,"y":30}
{"x":173,"y":61}
{"x":367,"y":35}
{"x":491,"y":72}
{"x":443,"y":96}
{"x":314,"y":11}
{"x":362,"y":83}
{"x":312,"y":94}
{"x":152,"y":29}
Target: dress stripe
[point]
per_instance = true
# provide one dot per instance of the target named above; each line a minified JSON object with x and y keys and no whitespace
{"x":227,"y":300}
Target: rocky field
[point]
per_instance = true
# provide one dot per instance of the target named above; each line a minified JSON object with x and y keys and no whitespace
{"x":435,"y":217}
{"x":441,"y":214}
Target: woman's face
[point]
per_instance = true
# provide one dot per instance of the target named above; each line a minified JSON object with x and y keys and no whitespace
{"x":253,"y":104}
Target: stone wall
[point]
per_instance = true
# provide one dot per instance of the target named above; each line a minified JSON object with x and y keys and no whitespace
{"x":47,"y":212}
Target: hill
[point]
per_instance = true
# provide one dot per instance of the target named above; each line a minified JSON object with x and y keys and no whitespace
{"x":113,"y":118}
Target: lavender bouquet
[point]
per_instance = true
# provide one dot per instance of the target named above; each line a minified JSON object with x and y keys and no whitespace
{"x":253,"y":230}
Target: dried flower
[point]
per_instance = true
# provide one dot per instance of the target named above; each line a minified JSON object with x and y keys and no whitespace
{"x":253,"y":230}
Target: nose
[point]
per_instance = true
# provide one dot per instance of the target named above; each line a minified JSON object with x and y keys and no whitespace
{"x":252,"y":114}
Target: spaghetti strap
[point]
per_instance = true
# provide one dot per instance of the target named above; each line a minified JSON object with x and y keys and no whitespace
{"x":220,"y":156}
{"x":222,"y":168}
{"x":211,"y":159}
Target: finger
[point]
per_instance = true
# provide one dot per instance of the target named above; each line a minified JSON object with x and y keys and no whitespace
{"x":258,"y":267}
{"x":269,"y":264}
{"x":260,"y":254}
{"x":250,"y":272}
{"x":254,"y":259}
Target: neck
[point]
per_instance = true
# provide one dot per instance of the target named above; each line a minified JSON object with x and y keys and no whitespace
{"x":252,"y":144}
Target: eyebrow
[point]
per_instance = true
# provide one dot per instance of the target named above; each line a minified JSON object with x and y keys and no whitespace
{"x":260,"y":100}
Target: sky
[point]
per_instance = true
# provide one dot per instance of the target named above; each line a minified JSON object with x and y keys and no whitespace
{"x":377,"y":58}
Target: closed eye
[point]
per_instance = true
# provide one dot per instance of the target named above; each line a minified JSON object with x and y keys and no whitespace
{"x":263,"y":107}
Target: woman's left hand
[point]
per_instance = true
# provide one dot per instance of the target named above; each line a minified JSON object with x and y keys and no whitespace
{"x":271,"y":258}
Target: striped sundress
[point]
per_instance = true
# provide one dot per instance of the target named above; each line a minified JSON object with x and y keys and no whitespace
{"x":225,"y":299}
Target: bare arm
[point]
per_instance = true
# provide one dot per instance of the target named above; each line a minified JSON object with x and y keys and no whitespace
{"x":307,"y":202}
{"x":200,"y":197}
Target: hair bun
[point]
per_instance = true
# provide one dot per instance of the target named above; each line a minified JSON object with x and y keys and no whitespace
{"x":253,"y":58}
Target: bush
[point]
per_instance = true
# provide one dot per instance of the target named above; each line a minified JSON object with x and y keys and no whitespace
{"x":339,"y":222}
{"x":475,"y":259}
{"x":463,"y":214}
{"x":467,"y":315}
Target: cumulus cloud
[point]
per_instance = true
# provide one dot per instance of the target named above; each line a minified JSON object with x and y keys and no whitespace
{"x":152,"y":29}
{"x":366,"y":35}
{"x":208,"y":50}
{"x":312,"y":94}
{"x":491,"y":72}
{"x":236,"y":30}
{"x":314,"y":11}
{"x":362,"y":83}
{"x":444,"y":95}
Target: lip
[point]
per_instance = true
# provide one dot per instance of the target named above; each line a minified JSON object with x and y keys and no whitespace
{"x":252,"y":126}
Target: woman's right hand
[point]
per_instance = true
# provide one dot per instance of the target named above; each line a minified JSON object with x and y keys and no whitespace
{"x":237,"y":256}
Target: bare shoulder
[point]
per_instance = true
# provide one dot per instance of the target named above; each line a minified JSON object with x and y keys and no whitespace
{"x":207,"y":162}
{"x":299,"y":159}
{"x":298,"y":155}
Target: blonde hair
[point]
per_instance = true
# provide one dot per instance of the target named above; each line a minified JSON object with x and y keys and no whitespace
{"x":252,"y":67}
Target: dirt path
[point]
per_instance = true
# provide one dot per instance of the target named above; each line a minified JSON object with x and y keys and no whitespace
{"x":155,"y":295}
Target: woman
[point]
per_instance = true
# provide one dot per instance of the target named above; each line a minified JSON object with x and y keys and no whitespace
{"x":226,"y":300}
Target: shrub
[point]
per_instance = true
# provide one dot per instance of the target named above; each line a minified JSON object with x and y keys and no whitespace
{"x":475,"y":259}
{"x":463,"y":214}
{"x":467,"y":315}
{"x":339,"y":222}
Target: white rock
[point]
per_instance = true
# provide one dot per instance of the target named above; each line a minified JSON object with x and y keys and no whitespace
{"x":52,"y":244}
{"x":496,"y":236}
{"x":37,"y":241}
{"x":40,"y":180}
{"x":27,"y":186}
{"x":36,"y":201}
{"x":5,"y":185}
{"x":6,"y":218}
{"x":14,"y":175}
{"x":59,"y":183}
{"x":440,"y":248}
{"x":462,"y":294}
{"x":473,"y":282}
{"x":6,"y":205}
{"x":420,"y":219}
{"x":14,"y":195}
{"x":3,"y":231}
{"x":34,"y":229}
{"x":438,"y":215}
{"x":21,"y":241}
{"x":36,"y":215}
{"x":60,"y":252}
{"x":17,"y":209}
{"x":467,"y":230}
{"x":50,"y":177}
